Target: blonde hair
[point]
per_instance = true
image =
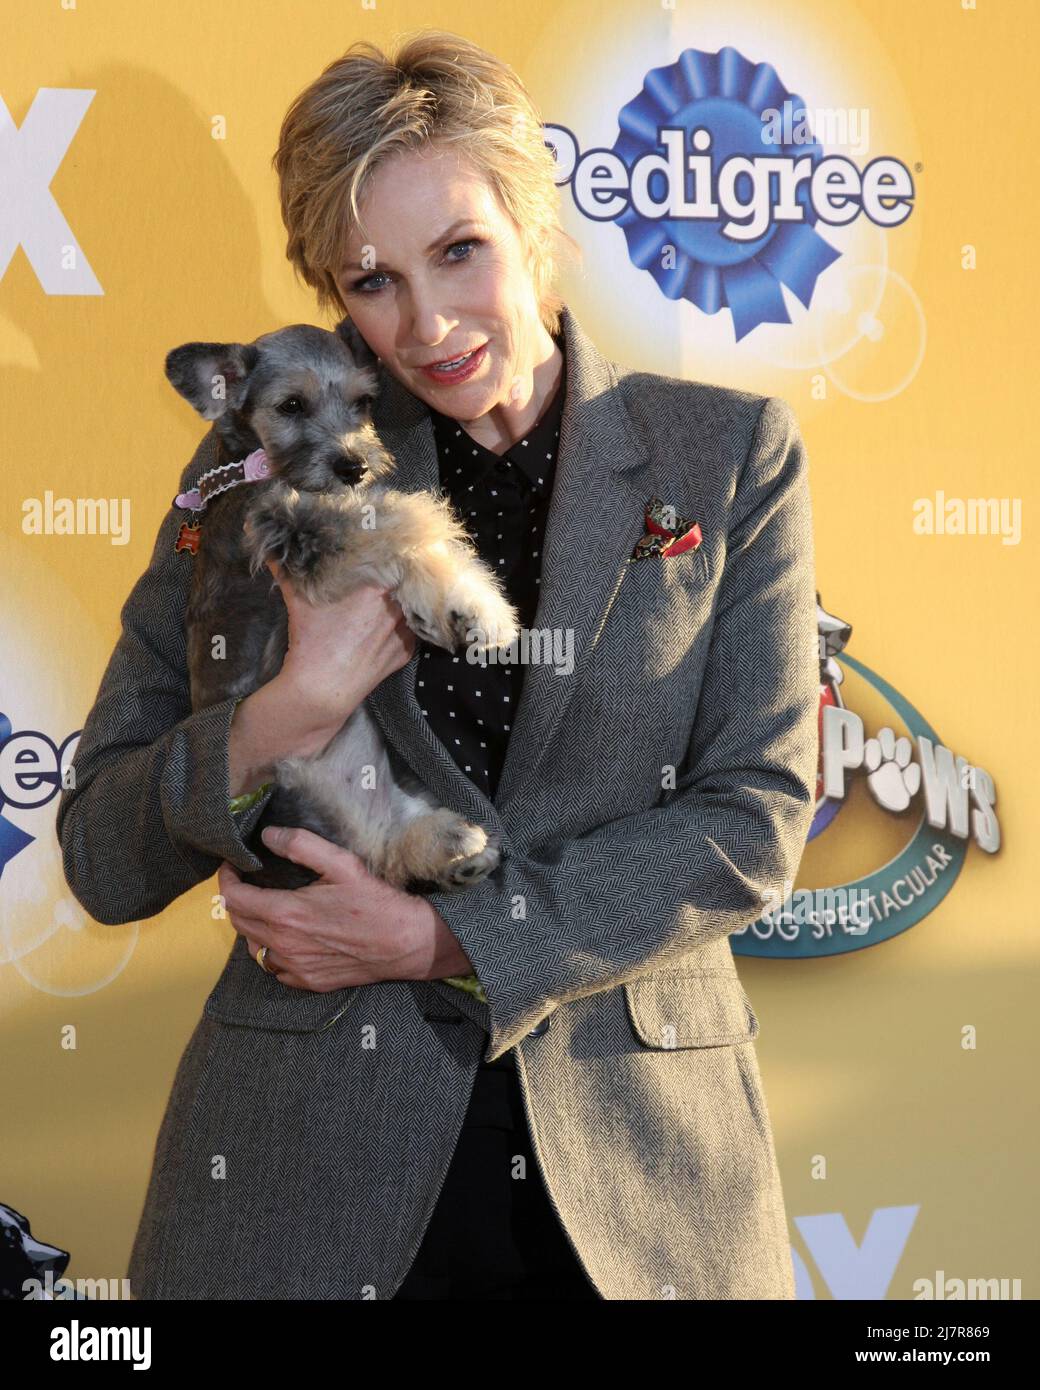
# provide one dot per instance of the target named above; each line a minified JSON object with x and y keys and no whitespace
{"x":437,"y":89}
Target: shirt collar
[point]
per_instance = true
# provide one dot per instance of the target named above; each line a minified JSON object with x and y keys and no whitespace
{"x":530,"y":454}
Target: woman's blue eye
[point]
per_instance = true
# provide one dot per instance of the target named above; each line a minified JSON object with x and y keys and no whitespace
{"x":365,"y":286}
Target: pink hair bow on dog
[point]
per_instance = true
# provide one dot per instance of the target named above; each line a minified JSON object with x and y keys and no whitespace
{"x":667,"y":533}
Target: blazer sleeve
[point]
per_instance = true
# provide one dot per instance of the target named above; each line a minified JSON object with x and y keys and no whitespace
{"x":148,"y":814}
{"x":633,"y":895}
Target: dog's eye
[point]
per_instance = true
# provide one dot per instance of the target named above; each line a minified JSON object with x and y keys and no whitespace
{"x":292,"y":405}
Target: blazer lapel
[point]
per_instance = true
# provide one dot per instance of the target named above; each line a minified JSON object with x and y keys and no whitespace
{"x":595,"y":518}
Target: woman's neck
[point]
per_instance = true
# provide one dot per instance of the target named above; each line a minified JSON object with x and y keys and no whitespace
{"x":501,"y":427}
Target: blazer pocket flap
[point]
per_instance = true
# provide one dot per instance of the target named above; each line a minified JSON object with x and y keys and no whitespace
{"x":247,"y":995}
{"x":674,"y":1008}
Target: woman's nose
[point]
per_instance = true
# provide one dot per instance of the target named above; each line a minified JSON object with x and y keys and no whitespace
{"x":430,"y":322}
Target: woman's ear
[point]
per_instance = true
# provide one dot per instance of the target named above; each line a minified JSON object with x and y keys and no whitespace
{"x":363,"y":354}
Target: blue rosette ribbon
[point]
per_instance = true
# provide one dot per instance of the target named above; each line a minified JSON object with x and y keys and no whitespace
{"x":727,"y":95}
{"x":12,"y":838}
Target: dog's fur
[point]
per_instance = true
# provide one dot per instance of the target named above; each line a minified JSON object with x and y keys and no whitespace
{"x":329,"y":517}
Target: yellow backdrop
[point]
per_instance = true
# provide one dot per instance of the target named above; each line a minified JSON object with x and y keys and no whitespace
{"x":899,"y":1078}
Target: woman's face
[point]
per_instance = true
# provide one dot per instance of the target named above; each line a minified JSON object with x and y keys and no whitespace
{"x":440,"y":271}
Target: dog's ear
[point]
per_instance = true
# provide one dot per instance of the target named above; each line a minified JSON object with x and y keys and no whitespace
{"x":363,"y":354}
{"x":214,"y":377}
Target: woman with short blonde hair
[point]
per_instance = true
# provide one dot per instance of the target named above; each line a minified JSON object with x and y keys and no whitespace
{"x":436,"y":89}
{"x":543,"y":1086}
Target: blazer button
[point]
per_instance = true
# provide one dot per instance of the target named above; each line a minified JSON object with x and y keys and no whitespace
{"x":540,"y":1028}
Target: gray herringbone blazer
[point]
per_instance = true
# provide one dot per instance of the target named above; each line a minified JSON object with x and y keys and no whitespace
{"x":609,"y":916}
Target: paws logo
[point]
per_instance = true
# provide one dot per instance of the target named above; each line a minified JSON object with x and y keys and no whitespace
{"x":891,"y":776}
{"x":720,"y":186}
{"x":913,"y":777}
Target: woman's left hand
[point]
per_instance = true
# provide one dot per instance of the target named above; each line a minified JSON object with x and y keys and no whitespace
{"x":346,"y":928}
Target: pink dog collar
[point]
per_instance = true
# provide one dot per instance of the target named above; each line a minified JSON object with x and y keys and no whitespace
{"x":252,"y":469}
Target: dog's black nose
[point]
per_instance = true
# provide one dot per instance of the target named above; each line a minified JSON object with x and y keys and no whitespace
{"x":349,"y":471}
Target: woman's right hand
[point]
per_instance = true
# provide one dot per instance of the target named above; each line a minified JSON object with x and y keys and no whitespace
{"x":339,"y":653}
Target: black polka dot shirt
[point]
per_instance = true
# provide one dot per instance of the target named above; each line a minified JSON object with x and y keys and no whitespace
{"x":503,"y":500}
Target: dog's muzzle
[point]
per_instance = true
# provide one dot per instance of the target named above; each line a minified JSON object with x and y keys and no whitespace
{"x":349,"y":471}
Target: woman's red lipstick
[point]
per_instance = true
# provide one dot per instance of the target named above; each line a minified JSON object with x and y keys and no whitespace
{"x":461,"y":373}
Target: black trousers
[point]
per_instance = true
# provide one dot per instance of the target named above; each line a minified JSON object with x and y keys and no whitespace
{"x":493,"y":1235}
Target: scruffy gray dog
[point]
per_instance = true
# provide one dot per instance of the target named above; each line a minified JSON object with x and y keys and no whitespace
{"x":324,"y":509}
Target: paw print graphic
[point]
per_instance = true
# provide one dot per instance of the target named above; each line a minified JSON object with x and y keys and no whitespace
{"x":892,"y":777}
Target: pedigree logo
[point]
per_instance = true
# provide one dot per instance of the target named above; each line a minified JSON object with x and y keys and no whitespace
{"x":719,"y":184}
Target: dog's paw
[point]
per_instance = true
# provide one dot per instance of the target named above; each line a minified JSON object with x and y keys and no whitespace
{"x":267,"y":526}
{"x":472,"y":864}
{"x":297,"y":530}
{"x":479,"y":616}
{"x":445,"y":851}
{"x":425,"y":626}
